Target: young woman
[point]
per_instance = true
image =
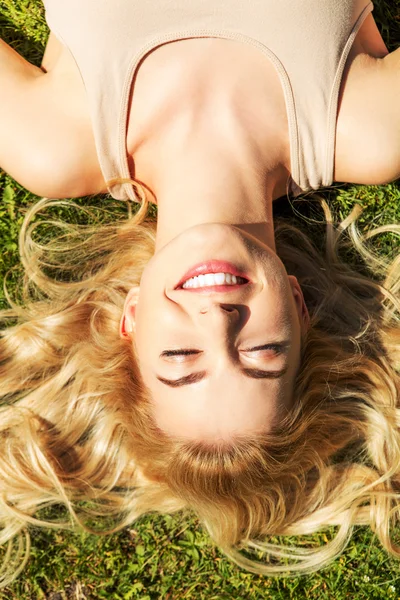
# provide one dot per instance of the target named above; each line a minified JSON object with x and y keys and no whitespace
{"x":184,"y":367}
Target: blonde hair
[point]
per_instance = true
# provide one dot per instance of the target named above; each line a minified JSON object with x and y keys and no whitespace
{"x":76,"y":422}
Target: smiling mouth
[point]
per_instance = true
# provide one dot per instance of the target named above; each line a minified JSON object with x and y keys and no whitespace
{"x":214,"y":280}
{"x":213,"y":275}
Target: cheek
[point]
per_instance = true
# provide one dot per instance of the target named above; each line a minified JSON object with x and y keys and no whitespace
{"x":274,"y":315}
{"x":140,"y":320}
{"x":284,"y":309}
{"x":145,"y":331}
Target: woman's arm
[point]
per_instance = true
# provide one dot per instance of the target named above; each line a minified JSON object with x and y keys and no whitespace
{"x":368,"y":125}
{"x":390,"y":98}
{"x":20,"y":146}
{"x":18,"y":79}
{"x":46,"y":143}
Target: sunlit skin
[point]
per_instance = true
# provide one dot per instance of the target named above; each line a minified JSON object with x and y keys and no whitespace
{"x":218,"y":338}
{"x":238,"y":349}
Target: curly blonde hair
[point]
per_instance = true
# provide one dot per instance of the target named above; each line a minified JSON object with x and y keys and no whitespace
{"x":77,"y":426}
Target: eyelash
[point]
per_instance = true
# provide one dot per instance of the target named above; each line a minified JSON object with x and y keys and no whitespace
{"x":277,"y":347}
{"x":181,"y":352}
{"x":189,"y":351}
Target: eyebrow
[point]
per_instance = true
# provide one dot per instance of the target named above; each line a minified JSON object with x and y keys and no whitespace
{"x":198,"y":376}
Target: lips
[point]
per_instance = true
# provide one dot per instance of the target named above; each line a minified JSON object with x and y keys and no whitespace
{"x":213,"y":266}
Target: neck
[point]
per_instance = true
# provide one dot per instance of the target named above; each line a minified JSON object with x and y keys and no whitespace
{"x":210,"y":170}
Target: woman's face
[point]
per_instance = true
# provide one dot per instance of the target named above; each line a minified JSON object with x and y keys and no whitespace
{"x":219,"y":359}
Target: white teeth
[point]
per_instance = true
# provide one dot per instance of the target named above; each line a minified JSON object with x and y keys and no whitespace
{"x":211,"y":279}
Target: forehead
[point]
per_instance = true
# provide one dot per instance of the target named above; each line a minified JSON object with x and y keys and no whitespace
{"x":222,"y":405}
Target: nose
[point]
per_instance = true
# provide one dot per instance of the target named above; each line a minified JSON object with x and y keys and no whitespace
{"x":222,"y":308}
{"x":223,"y":315}
{"x":220,"y":324}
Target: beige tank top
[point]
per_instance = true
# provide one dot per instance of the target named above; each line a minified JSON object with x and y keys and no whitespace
{"x":308,"y":42}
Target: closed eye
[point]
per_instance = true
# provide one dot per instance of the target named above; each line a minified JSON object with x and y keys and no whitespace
{"x":179,"y":352}
{"x":278,"y":348}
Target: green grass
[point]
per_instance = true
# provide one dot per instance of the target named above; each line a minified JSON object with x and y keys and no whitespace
{"x":171,"y":557}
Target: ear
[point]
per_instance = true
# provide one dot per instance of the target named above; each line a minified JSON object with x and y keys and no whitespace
{"x":302,"y":311}
{"x":128,"y":322}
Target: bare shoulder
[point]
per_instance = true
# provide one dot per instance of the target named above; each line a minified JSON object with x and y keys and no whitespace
{"x":47,"y":141}
{"x":368,"y":124}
